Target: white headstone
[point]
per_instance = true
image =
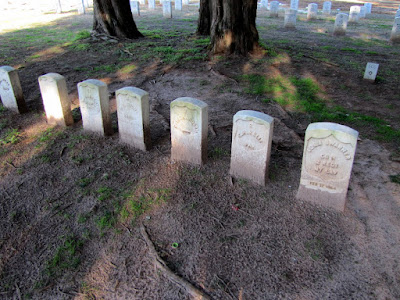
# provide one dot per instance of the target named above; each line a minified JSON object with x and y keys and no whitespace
{"x":264,"y":4}
{"x":368,"y":8}
{"x":178,"y":4}
{"x":186,"y":2}
{"x":251,"y":145}
{"x":81,"y":7}
{"x":142,"y":2}
{"x":152,"y":4}
{"x":328,"y":157}
{"x":354,"y":14}
{"x":363,"y":12}
{"x":133,"y":117}
{"x":397,"y":14}
{"x":95,"y":107}
{"x":326,"y":8}
{"x":371,"y":71}
{"x":312,"y":11}
{"x":56,"y":102}
{"x":11,"y":91}
{"x":340,"y":24}
{"x":274,"y":9}
{"x":290,"y":18}
{"x":189,"y":128}
{"x":294,"y":4}
{"x":135,"y":9}
{"x":167,"y":9}
{"x":395,"y":34}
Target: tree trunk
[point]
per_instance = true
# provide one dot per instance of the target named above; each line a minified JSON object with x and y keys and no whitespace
{"x":204,"y":22}
{"x":233,"y":27}
{"x":114,"y":18}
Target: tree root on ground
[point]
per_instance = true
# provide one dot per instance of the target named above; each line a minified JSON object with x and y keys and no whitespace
{"x":160,"y":264}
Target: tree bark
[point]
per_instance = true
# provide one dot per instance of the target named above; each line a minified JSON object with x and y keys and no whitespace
{"x":233,"y":26}
{"x":204,"y":22}
{"x":114,"y":18}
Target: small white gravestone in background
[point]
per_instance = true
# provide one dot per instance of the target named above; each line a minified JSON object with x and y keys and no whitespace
{"x":264,"y":4}
{"x":328,"y":157}
{"x":142,"y":2}
{"x":290,"y":18}
{"x":58,"y":6}
{"x":178,"y":4}
{"x":397,"y":14}
{"x":251,"y":145}
{"x":354,"y":14}
{"x":11,"y":91}
{"x":56,"y":102}
{"x":326,"y":8}
{"x":395,"y":34}
{"x":274,"y":9}
{"x":312,"y":11}
{"x":152,"y":4}
{"x":186,"y":2}
{"x":95,"y":106}
{"x":371,"y":71}
{"x":189,"y":128}
{"x":81,"y":7}
{"x":368,"y":8}
{"x":133,"y":117}
{"x":167,"y":9}
{"x":340,"y":24}
{"x":294,"y":4}
{"x":135,"y":8}
{"x":363,"y":12}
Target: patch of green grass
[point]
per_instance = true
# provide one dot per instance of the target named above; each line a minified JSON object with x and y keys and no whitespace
{"x":202,"y":42}
{"x":353,"y":50}
{"x":80,"y":46}
{"x":83,"y":34}
{"x":45,"y":137}
{"x":395,"y":178}
{"x":104,"y":193}
{"x":84,"y":182}
{"x":67,"y":257}
{"x":11,"y":136}
{"x":106,"y":221}
{"x":315,"y":248}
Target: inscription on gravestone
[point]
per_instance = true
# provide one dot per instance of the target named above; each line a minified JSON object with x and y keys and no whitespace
{"x":340,"y":24}
{"x":189,"y":128}
{"x":251,"y":145}
{"x":328,"y":157}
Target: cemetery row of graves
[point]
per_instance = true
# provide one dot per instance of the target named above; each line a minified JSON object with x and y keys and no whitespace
{"x":328,"y":152}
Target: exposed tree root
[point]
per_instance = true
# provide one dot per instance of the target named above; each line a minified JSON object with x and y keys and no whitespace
{"x":160,"y":264}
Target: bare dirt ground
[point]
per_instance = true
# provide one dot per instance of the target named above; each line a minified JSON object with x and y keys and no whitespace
{"x":71,"y":203}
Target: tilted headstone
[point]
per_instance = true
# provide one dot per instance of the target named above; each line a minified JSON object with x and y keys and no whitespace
{"x":133,"y":117}
{"x":340,"y":24}
{"x":11,"y":91}
{"x":294,"y":4}
{"x":95,"y":106}
{"x":326,"y":8}
{"x":312,"y":11}
{"x":152,"y":4}
{"x":135,"y":9}
{"x":264,"y":4}
{"x":189,"y":128}
{"x":167,"y":9}
{"x":368,"y":8}
{"x":363,"y":12}
{"x":397,"y":15}
{"x":178,"y":4}
{"x":290,"y":18}
{"x":371,"y":71}
{"x":251,"y":145}
{"x":395,"y":34}
{"x":56,"y":102}
{"x":81,"y":7}
{"x":354,"y":15}
{"x":328,"y":157}
{"x":274,"y":9}
{"x":58,"y":6}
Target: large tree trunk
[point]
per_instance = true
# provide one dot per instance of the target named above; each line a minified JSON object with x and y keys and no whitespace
{"x":114,"y":18}
{"x":233,"y":27}
{"x":204,"y":22}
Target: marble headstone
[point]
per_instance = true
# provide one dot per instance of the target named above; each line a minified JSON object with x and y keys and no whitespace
{"x":371,"y":70}
{"x":354,"y":15}
{"x":274,"y":9}
{"x":167,"y":9}
{"x":326,"y":8}
{"x":395,"y":34}
{"x":312,"y":11}
{"x":340,"y":24}
{"x":290,"y":18}
{"x":11,"y":91}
